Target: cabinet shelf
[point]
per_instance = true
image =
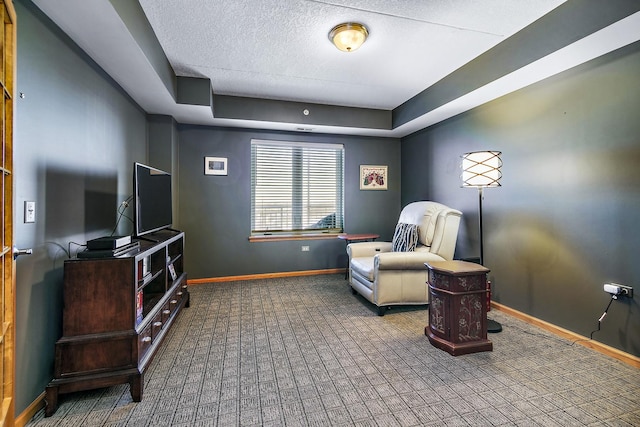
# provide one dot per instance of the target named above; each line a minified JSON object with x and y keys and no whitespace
{"x":117,"y":311}
{"x":174,"y":259}
{"x":148,"y":279}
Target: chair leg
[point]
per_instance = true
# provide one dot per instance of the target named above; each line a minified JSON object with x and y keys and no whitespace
{"x":382,"y":310}
{"x":353,"y":291}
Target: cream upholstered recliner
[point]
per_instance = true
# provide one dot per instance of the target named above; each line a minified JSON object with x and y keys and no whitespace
{"x":388,"y":278}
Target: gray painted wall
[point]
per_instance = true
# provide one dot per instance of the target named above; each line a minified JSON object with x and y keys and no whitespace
{"x":162,"y":136}
{"x":215,"y":211}
{"x":76,"y":138}
{"x":565,"y":220}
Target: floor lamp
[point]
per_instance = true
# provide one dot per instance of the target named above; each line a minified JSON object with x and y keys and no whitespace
{"x":481,"y":169}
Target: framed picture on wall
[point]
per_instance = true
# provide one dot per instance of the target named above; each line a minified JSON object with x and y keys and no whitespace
{"x":215,"y":165}
{"x":373,"y":177}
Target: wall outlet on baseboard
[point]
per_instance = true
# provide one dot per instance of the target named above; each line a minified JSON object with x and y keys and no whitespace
{"x":305,"y":249}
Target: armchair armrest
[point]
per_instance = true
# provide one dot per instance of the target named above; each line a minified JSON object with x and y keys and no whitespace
{"x":404,"y":260}
{"x":367,"y":249}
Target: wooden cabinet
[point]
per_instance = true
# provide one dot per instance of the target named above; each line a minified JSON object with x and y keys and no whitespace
{"x":457,"y":307}
{"x":117,"y":310}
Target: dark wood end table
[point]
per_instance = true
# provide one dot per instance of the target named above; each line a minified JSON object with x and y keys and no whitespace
{"x":457,"y":307}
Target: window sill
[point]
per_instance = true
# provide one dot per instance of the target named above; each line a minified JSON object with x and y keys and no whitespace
{"x":281,"y":237}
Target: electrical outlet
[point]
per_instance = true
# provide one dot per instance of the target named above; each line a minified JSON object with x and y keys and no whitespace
{"x":305,"y":249}
{"x":616,"y":289}
{"x":626,"y":291}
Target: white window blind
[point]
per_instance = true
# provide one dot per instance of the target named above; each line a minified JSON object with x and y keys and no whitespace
{"x":296,"y":187}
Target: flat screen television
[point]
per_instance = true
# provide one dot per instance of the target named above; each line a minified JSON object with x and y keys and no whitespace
{"x":152,"y":199}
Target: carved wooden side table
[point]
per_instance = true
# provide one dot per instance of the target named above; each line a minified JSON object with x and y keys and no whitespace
{"x":457,"y":307}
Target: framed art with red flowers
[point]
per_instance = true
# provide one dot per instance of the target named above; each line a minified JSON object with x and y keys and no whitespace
{"x":373,"y":177}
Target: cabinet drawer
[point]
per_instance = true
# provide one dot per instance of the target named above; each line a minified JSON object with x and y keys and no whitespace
{"x":165,"y":313}
{"x":181,"y":292}
{"x":174,"y":302}
{"x":156,"y":325}
{"x":145,"y":339}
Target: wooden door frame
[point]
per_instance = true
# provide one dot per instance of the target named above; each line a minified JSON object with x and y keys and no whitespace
{"x":7,"y":78}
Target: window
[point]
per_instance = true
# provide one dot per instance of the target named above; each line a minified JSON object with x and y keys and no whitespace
{"x":296,"y":188}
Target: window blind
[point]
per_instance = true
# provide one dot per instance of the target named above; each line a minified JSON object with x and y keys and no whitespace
{"x":296,"y":187}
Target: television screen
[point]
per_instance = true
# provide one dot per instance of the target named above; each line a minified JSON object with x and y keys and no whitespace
{"x":152,"y":199}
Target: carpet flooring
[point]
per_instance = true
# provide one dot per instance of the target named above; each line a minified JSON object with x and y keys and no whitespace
{"x":306,"y":352}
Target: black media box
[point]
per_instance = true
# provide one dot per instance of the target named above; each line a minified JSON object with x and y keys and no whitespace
{"x":108,"y":242}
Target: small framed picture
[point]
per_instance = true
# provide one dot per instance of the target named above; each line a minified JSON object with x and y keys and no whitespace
{"x":373,"y":177}
{"x":215,"y":165}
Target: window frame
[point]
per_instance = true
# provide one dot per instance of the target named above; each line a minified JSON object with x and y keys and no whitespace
{"x":300,"y":152}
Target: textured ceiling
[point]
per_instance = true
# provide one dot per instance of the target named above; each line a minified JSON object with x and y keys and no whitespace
{"x":425,"y":61}
{"x":280,"y":49}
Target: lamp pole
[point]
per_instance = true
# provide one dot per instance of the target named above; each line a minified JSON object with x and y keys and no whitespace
{"x":480,"y":197}
{"x":492,"y":325}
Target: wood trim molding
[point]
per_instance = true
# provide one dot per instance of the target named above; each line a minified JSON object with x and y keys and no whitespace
{"x":282,"y":237}
{"x":30,"y":411}
{"x":627,"y":358}
{"x":265,"y":276}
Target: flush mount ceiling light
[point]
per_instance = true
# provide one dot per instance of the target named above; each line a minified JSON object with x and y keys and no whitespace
{"x":348,"y":36}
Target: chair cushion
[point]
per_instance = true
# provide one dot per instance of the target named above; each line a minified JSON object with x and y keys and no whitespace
{"x":363,"y":266}
{"x":425,"y":215}
{"x":405,"y":238}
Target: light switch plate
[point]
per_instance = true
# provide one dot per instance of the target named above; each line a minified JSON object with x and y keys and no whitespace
{"x":29,"y":212}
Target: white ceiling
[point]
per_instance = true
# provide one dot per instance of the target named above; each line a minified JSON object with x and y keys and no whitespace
{"x":279,"y":50}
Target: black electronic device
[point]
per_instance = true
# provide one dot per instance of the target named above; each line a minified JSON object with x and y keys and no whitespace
{"x":108,"y":242}
{"x":152,"y":202}
{"x":108,"y":253}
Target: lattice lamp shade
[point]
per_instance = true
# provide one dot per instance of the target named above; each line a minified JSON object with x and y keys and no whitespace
{"x":481,"y":169}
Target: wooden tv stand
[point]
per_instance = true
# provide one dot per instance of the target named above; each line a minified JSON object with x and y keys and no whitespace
{"x":117,"y":310}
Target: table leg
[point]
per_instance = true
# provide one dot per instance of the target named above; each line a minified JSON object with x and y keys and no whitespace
{"x":346,"y":272}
